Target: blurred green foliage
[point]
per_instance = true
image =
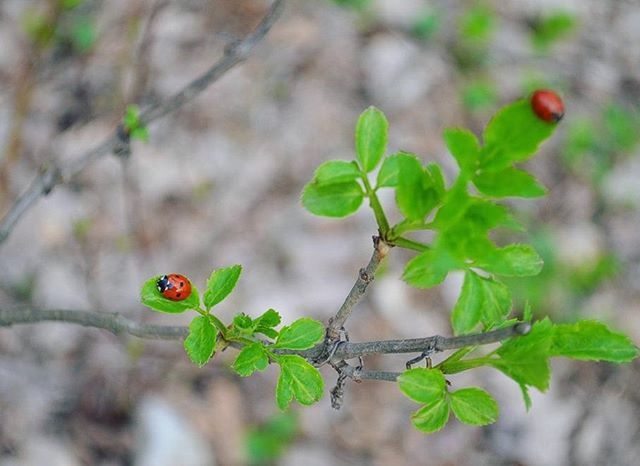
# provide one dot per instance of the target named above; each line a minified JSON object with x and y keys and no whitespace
{"x":266,"y":443}
{"x":549,"y":29}
{"x":65,"y":26}
{"x":593,"y":143}
{"x":353,"y":4}
{"x":426,"y":25}
{"x":479,"y":94}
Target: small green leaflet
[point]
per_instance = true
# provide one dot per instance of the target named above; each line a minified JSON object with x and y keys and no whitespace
{"x":464,"y":147}
{"x":419,"y":189}
{"x":422,"y":385}
{"x":432,"y":417}
{"x":332,"y":200}
{"x":263,"y":324}
{"x":515,"y":260}
{"x":302,"y":334}
{"x":590,"y":340}
{"x":474,"y":406}
{"x":298,"y":379}
{"x":336,"y":171}
{"x":252,"y":358}
{"x":513,"y":135}
{"x":201,"y":342}
{"x":131,"y":120}
{"x":371,"y":138}
{"x":508,"y":182}
{"x":429,"y":268}
{"x":220,"y":284}
{"x":388,"y":174}
{"x":151,"y":297}
{"x":481,"y":300}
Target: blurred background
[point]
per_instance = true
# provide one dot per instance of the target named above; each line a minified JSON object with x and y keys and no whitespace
{"x":219,"y":181}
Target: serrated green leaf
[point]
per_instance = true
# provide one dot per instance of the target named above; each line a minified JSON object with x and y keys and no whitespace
{"x":474,"y":406}
{"x":464,"y":147}
{"x":422,"y":385}
{"x":432,"y":417}
{"x":526,"y":359}
{"x":298,"y":379}
{"x":481,"y":300}
{"x":428,"y":269}
{"x":513,"y":135}
{"x":417,"y":192}
{"x":251,"y":358}
{"x":515,"y":260}
{"x":333,"y":200}
{"x":244,"y":323}
{"x":454,"y":205}
{"x":220,"y":284}
{"x":201,"y":342}
{"x":269,"y":319}
{"x":486,"y":215}
{"x":589,"y":340}
{"x":388,"y":174}
{"x":302,"y":334}
{"x":371,"y":138}
{"x":508,"y":182}
{"x":336,"y":171}
{"x":152,"y":298}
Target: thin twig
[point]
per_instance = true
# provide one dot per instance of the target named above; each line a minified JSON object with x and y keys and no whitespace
{"x":114,"y":323}
{"x":119,"y":324}
{"x":55,"y":175}
{"x":365,"y":276}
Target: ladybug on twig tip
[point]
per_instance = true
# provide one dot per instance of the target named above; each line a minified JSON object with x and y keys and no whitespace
{"x":547,"y":105}
{"x":174,"y":286}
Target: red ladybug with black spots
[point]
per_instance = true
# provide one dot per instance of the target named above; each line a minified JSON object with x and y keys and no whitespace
{"x":174,"y":286}
{"x":547,"y":105}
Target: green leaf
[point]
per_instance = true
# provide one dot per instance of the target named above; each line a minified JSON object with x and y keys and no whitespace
{"x":141,"y":134}
{"x":590,"y":340}
{"x":371,"y":138}
{"x":152,"y":298}
{"x":428,"y":269}
{"x":513,"y":135}
{"x":432,"y":417}
{"x":422,"y":385}
{"x":298,"y":379}
{"x":388,"y":174}
{"x":244,"y":323}
{"x":269,"y":319}
{"x":486,"y":215}
{"x":464,"y":147}
{"x":508,"y":182}
{"x":302,"y":334}
{"x":333,"y":200}
{"x":220,"y":284}
{"x":336,"y":171}
{"x":251,"y":358}
{"x":481,"y":300}
{"x":418,"y":192}
{"x":201,"y":342}
{"x":474,"y":406}
{"x":265,"y":323}
{"x":515,"y":260}
{"x":526,"y":359}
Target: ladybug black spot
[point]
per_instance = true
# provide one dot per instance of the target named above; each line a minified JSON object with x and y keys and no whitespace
{"x":178,"y":295}
{"x":181,"y":284}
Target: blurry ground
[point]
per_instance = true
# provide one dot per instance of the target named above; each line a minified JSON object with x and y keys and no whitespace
{"x":219,"y":183}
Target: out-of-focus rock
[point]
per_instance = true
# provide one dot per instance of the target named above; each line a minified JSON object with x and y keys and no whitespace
{"x":166,"y":438}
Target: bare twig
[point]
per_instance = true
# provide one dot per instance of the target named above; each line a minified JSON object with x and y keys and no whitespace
{"x":118,"y":324}
{"x":55,"y":175}
{"x":365,"y":276}
{"x":114,"y":323}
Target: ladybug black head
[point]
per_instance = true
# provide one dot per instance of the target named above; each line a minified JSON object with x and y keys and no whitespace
{"x":163,"y":284}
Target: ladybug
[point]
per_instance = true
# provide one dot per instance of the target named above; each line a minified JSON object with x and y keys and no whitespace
{"x":174,"y":286}
{"x":547,"y":105}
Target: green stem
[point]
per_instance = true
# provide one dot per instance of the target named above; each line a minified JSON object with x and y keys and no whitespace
{"x":374,"y":202}
{"x":457,"y":356}
{"x":459,"y":366}
{"x":217,"y":323}
{"x":405,"y":227}
{"x":410,"y":244}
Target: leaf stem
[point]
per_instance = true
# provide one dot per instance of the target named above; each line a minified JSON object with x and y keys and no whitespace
{"x":374,"y":203}
{"x":217,"y":323}
{"x":410,"y":244}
